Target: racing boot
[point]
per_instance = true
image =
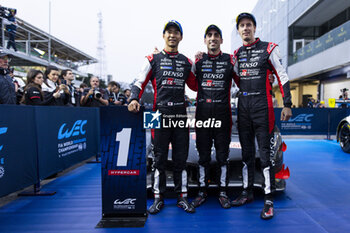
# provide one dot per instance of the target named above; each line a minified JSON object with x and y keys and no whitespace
{"x":267,"y":211}
{"x":157,"y":205}
{"x":224,"y":200}
{"x":245,"y":197}
{"x":182,"y":202}
{"x":200,"y":199}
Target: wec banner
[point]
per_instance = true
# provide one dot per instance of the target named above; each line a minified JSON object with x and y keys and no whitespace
{"x":311,"y":121}
{"x":123,"y":168}
{"x":18,"y":151}
{"x":67,"y":138}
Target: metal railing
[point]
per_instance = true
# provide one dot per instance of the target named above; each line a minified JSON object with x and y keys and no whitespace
{"x":332,"y":38}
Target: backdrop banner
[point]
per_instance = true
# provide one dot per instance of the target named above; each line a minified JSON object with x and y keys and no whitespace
{"x":66,"y":136}
{"x":18,"y":148}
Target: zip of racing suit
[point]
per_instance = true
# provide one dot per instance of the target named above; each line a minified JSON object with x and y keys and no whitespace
{"x":254,"y":63}
{"x":214,"y":77}
{"x":168,"y":73}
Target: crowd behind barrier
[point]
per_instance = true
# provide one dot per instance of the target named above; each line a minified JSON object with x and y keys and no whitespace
{"x":38,"y":141}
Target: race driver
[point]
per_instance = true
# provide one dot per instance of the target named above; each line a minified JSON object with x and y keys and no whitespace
{"x":255,"y":61}
{"x":214,"y":73}
{"x":168,"y":72}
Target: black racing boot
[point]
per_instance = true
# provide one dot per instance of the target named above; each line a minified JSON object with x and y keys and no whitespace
{"x":267,"y":211}
{"x":182,"y":202}
{"x":200,"y":199}
{"x":224,"y":200}
{"x":245,"y":197}
{"x":157,"y":205}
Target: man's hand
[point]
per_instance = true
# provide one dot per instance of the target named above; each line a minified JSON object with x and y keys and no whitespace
{"x":156,"y":51}
{"x":134,"y":106}
{"x":199,"y":55}
{"x":91,"y":91}
{"x":286,"y":114}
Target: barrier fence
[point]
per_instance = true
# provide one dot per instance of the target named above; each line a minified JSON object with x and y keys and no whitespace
{"x":36,"y":142}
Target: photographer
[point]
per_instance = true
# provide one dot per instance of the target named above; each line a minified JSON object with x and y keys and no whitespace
{"x":54,"y":93}
{"x":67,"y":78}
{"x":94,"y":96}
{"x":120,"y":98}
{"x":110,"y":91}
{"x":7,"y":87}
{"x":344,"y":96}
{"x":11,"y":28}
{"x":127,"y":94}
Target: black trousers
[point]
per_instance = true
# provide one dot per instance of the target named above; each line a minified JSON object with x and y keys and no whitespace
{"x":256,"y":119}
{"x":179,"y":139}
{"x":221,"y":137}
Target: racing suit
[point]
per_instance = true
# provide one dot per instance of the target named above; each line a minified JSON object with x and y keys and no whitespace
{"x":254,"y":63}
{"x":214,"y":77}
{"x":168,"y":73}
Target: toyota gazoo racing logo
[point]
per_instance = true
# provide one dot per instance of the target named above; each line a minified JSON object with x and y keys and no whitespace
{"x":207,"y":83}
{"x":76,"y":130}
{"x":248,"y":65}
{"x":243,"y":73}
{"x":302,"y":118}
{"x":168,"y":81}
{"x":173,"y":74}
{"x":213,"y":76}
{"x":128,"y":201}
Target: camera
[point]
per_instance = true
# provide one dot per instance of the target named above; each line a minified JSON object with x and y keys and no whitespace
{"x":97,"y":94}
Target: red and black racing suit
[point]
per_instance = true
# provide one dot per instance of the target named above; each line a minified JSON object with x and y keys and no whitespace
{"x":168,"y":73}
{"x":254,"y":63}
{"x":214,"y":76}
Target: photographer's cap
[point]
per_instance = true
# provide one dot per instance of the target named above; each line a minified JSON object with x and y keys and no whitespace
{"x":173,"y":23}
{"x":245,"y":15}
{"x":214,"y":27}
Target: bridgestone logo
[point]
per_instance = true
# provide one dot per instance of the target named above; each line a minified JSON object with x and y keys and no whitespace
{"x":248,"y":65}
{"x":213,"y":76}
{"x":173,"y":74}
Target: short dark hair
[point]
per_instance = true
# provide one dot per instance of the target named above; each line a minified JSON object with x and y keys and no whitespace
{"x":127,"y":90}
{"x":64,"y":72}
{"x":83,"y":85}
{"x":114,"y":83}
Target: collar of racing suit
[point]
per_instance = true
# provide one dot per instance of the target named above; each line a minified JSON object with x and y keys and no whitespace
{"x":256,"y":41}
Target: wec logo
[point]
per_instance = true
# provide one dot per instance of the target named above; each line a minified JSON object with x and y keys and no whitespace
{"x":302,"y":118}
{"x":128,"y":201}
{"x":76,"y":130}
{"x":3,"y":130}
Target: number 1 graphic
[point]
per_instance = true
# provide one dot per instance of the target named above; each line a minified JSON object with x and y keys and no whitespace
{"x":124,"y":142}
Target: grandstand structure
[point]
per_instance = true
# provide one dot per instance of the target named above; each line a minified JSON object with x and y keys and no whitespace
{"x":38,"y":48}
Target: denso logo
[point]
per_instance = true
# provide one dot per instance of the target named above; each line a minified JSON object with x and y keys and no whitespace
{"x":128,"y":201}
{"x":213,"y":76}
{"x":302,"y":118}
{"x":76,"y":130}
{"x":173,"y":74}
{"x":248,"y":65}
